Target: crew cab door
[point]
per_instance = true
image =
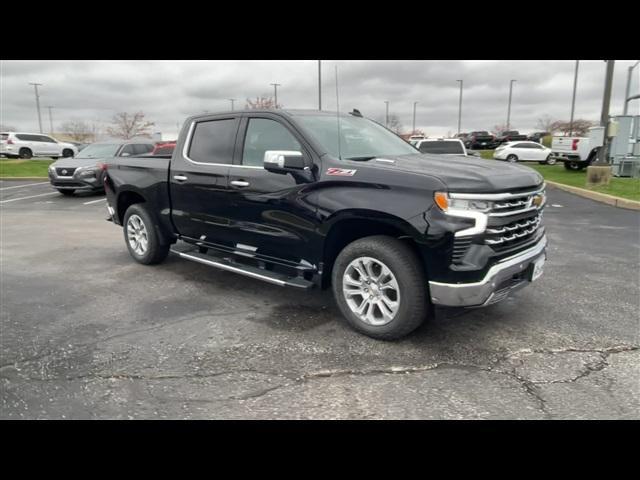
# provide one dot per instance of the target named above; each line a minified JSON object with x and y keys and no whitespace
{"x":198,"y":179}
{"x":271,"y":214}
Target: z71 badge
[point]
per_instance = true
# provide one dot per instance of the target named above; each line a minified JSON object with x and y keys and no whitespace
{"x":341,"y":172}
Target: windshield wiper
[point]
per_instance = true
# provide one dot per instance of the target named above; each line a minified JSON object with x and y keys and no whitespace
{"x":361,"y":159}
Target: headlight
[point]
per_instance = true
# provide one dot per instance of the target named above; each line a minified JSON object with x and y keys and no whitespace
{"x":87,"y":173}
{"x":52,"y":168}
{"x":447,"y":204}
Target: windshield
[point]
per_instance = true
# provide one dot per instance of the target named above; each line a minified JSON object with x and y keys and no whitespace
{"x":441,"y":147}
{"x":360,"y":138}
{"x":98,"y":150}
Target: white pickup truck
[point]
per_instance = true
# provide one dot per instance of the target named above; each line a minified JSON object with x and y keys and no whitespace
{"x":577,"y":153}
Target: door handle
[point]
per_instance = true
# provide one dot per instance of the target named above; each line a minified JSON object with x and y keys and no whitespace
{"x":180,"y":178}
{"x":240,"y":183}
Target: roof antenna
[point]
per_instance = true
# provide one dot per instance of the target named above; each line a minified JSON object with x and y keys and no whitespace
{"x":338,"y":114}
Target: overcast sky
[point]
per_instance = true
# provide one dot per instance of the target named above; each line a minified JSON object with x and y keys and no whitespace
{"x":169,"y":91}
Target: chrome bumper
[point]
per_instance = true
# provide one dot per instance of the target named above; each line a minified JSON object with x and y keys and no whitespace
{"x":494,"y":286}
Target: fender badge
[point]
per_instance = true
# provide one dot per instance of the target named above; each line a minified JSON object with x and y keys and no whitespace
{"x":341,"y":172}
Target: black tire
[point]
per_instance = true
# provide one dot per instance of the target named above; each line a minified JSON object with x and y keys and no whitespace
{"x":26,"y":153}
{"x":405,"y":266}
{"x":66,"y":192}
{"x":550,"y":160}
{"x":512,"y":158}
{"x":156,"y":251}
{"x":573,"y":166}
{"x":67,"y":152}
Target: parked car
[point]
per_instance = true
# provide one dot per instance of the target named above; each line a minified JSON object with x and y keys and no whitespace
{"x":577,"y":153}
{"x":537,"y":136}
{"x":413,"y":139}
{"x":84,"y":172}
{"x":272,"y":194}
{"x":163,"y":148}
{"x":481,"y":140}
{"x":444,"y":146}
{"x":524,"y":152}
{"x":28,"y":145}
{"x":509,"y":136}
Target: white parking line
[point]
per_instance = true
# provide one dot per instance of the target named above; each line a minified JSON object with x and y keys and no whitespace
{"x":95,"y":201}
{"x":26,"y":185}
{"x":26,"y":198}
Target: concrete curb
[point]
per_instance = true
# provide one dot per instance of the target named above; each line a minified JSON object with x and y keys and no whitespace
{"x":24,"y":178}
{"x":598,"y":197}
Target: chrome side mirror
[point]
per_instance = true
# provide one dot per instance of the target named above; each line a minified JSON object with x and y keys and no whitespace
{"x":278,"y":160}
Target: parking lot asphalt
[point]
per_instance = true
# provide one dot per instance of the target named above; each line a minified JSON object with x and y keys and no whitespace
{"x":88,"y":333}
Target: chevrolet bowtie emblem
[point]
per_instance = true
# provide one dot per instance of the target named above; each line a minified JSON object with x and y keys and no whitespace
{"x":537,"y":200}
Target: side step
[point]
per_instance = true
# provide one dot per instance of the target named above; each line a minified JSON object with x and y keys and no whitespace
{"x":247,"y":270}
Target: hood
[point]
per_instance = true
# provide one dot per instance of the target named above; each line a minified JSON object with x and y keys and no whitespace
{"x":464,"y":174}
{"x":75,"y":162}
{"x":67,"y":145}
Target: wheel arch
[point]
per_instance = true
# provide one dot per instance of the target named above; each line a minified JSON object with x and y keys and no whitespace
{"x":350,"y":225}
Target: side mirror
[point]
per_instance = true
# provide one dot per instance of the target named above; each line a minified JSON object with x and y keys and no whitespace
{"x":283,"y":160}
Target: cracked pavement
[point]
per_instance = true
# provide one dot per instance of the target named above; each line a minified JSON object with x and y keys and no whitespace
{"x":86,"y":333}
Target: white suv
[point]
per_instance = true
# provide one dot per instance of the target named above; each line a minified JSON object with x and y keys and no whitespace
{"x":27,"y":145}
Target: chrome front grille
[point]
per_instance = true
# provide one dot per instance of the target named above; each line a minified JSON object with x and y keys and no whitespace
{"x":514,"y":231}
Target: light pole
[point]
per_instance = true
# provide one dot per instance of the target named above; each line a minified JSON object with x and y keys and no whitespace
{"x":275,"y":92}
{"x":604,"y":116}
{"x":460,"y":107}
{"x":386,"y":117}
{"x":50,"y":121}
{"x":414,"y":118}
{"x":509,"y":108}
{"x":319,"y":84}
{"x":573,"y":101}
{"x":232,"y":100}
{"x":627,"y":98}
{"x":35,"y":87}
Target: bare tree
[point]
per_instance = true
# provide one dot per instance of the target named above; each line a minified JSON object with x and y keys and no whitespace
{"x":580,"y":127}
{"x":129,"y":125}
{"x":262,"y":102}
{"x":394,"y":124}
{"x":501,"y":127}
{"x":546,"y":123}
{"x":78,"y":130}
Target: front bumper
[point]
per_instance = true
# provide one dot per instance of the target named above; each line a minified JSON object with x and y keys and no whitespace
{"x":504,"y":277}
{"x":75,"y":182}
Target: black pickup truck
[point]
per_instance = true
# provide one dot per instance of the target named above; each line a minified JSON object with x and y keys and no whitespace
{"x":510,"y":136}
{"x":309,"y":198}
{"x":480,"y":140}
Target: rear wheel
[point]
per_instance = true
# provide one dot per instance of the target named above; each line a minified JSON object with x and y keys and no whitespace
{"x":512,"y":158}
{"x":574,"y":166}
{"x":141,"y":237}
{"x":66,"y":192}
{"x":26,"y":153}
{"x":380,"y":287}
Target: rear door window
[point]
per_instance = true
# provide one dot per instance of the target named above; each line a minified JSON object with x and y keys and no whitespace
{"x":212,"y":141}
{"x":142,"y":148}
{"x":4,"y":136}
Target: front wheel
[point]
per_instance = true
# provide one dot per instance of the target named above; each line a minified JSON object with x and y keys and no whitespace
{"x":512,"y":158}
{"x":380,"y":287}
{"x":67,"y":152}
{"x":551,"y":160}
{"x":141,"y":236}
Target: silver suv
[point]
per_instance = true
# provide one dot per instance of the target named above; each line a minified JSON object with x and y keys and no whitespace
{"x":27,"y":145}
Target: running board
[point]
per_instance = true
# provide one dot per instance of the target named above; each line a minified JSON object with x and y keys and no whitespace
{"x":247,"y":270}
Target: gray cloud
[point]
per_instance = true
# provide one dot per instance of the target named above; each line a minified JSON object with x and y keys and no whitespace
{"x":169,"y":91}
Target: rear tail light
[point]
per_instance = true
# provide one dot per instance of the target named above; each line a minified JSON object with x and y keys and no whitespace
{"x":574,"y":144}
{"x":9,"y":141}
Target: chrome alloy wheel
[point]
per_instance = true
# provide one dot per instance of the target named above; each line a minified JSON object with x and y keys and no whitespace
{"x":137,"y":235}
{"x":371,"y":291}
